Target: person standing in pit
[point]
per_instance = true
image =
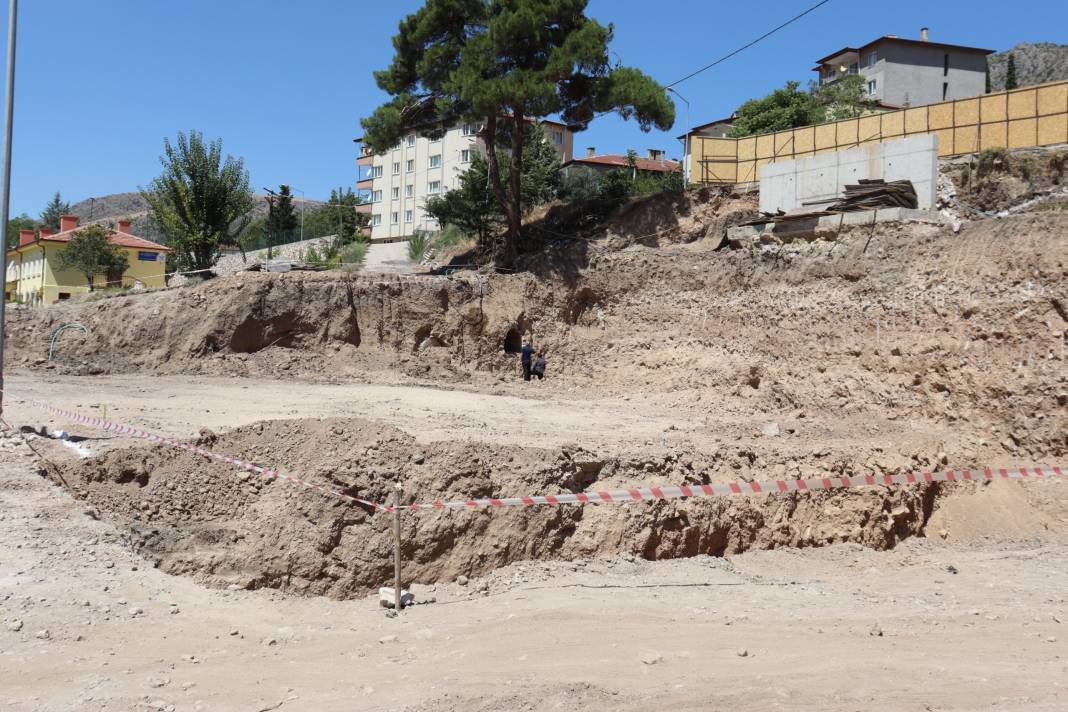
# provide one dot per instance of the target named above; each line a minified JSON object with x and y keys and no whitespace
{"x":538,"y":369}
{"x":526,"y":358}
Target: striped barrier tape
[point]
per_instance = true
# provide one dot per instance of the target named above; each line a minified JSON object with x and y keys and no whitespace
{"x":268,"y":473}
{"x":636,"y":494}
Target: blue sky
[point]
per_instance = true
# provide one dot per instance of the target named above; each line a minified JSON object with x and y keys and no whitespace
{"x":101,"y":82}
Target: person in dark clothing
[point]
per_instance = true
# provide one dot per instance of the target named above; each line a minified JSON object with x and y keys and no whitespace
{"x":538,"y":369}
{"x":526,"y":358}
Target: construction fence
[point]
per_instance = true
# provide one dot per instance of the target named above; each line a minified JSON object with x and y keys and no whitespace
{"x":1021,"y":118}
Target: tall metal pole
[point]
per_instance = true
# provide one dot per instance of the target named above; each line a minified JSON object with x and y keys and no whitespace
{"x":5,"y":188}
{"x":686,"y":158}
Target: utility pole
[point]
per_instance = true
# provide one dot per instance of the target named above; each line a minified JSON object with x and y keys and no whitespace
{"x":5,"y":180}
{"x":687,"y":159}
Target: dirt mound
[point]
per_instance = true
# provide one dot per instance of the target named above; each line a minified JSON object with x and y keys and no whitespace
{"x":998,"y":179}
{"x":190,"y":516}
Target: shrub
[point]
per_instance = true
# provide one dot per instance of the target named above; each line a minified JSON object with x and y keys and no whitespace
{"x":449,"y":237}
{"x":312,"y":256}
{"x":418,"y":244}
{"x":352,"y":255}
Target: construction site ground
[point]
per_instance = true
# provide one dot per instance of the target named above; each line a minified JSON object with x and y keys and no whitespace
{"x":138,"y":577}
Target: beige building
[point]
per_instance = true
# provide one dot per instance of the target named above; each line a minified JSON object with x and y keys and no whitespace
{"x":397,"y":183}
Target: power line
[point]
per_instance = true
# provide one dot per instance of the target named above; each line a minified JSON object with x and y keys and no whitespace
{"x":764,"y":36}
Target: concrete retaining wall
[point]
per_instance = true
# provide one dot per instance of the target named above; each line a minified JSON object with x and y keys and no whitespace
{"x":789,"y":185}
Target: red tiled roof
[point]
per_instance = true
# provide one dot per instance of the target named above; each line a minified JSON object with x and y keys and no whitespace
{"x":643,"y":164}
{"x":120,"y":239}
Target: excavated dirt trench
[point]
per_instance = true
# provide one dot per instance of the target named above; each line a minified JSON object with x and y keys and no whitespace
{"x":198,"y":518}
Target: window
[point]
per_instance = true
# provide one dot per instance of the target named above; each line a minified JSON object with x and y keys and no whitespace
{"x":945,"y":90}
{"x":434,"y":187}
{"x":873,"y":57}
{"x":376,"y":171}
{"x":465,"y":156}
{"x":63,"y":296}
{"x":409,"y":190}
{"x":558,"y":138}
{"x":435,"y":161}
{"x":470,"y":129}
{"x":411,"y":139}
{"x":376,"y":220}
{"x":396,"y":167}
{"x":376,"y":197}
{"x":394,"y":218}
{"x":407,"y":216}
{"x":395,"y":192}
{"x":410,"y":166}
{"x":872,"y":86}
{"x":945,"y":66}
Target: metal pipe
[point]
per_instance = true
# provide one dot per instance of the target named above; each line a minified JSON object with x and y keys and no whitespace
{"x":5,"y":180}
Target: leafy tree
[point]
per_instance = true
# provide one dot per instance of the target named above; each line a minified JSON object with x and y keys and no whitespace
{"x":281,"y":218}
{"x":19,"y":222}
{"x":56,"y":208}
{"x":90,"y":253}
{"x":506,"y":61}
{"x":1010,"y":73}
{"x":846,"y":98}
{"x":987,"y":78}
{"x":201,"y":200}
{"x":784,"y":108}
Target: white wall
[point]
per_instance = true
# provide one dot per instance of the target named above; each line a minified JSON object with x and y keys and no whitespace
{"x":789,"y":185}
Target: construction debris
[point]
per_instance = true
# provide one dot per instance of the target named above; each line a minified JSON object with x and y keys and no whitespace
{"x":875,"y":194}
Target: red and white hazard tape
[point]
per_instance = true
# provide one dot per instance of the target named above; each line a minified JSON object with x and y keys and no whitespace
{"x":274,"y":474}
{"x":638,"y":494}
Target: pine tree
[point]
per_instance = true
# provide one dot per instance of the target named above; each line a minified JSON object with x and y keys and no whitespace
{"x":56,"y":208}
{"x":281,"y":218}
{"x":505,"y":62}
{"x":1010,"y":74}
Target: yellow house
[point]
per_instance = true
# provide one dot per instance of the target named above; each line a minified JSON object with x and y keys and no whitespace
{"x":34,"y":277}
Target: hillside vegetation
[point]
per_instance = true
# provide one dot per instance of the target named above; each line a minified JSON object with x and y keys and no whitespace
{"x":1035,"y":64}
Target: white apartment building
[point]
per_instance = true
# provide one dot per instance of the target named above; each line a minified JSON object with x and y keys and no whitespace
{"x":397,"y":183}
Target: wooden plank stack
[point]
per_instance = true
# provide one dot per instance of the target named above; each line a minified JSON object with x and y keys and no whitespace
{"x":875,"y":194}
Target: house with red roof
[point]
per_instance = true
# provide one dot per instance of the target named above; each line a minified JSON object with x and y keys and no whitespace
{"x":35,"y":278}
{"x":652,"y":162}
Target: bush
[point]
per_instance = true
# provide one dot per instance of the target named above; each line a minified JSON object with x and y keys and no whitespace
{"x":352,"y":255}
{"x":313,"y":257}
{"x":449,"y":237}
{"x":418,"y":244}
{"x":581,"y":185}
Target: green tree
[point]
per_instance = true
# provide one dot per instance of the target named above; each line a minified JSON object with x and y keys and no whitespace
{"x":846,"y":98}
{"x":201,"y":200}
{"x":19,"y":222}
{"x":475,"y":210}
{"x":56,"y":208}
{"x":784,"y":108}
{"x":506,"y":61}
{"x":90,"y":253}
{"x":1010,"y":73}
{"x":281,"y":218}
{"x":471,"y":206}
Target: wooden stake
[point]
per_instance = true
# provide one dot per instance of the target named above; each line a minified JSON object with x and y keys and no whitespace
{"x":396,"y":548}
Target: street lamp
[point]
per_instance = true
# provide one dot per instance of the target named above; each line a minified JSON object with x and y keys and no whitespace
{"x":5,"y":181}
{"x":685,"y":142}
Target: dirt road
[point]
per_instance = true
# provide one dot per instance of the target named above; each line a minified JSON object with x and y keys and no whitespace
{"x":928,"y":626}
{"x":521,"y":414}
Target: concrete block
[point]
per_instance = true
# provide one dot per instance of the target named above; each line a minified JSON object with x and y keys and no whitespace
{"x":788,"y":185}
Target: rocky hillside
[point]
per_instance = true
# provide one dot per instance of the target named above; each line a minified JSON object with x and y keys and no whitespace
{"x":1035,"y":64}
{"x":135,"y":208}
